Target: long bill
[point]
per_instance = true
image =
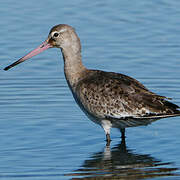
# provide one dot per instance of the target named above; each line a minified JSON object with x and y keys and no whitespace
{"x":45,"y":45}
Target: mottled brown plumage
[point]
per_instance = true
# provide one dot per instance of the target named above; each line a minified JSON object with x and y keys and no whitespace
{"x":109,"y":99}
{"x":121,"y":99}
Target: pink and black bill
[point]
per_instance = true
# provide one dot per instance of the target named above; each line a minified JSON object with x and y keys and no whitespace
{"x":45,"y":45}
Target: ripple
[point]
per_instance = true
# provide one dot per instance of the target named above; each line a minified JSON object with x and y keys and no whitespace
{"x":44,"y":135}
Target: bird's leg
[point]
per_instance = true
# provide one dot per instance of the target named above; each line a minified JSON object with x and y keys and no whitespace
{"x":122,"y":133}
{"x":108,"y":139}
{"x":107,"y":126}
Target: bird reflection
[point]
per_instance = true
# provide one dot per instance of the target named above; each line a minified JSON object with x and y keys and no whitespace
{"x":121,"y":163}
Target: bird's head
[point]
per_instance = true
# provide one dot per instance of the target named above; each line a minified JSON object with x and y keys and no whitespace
{"x":60,"y":36}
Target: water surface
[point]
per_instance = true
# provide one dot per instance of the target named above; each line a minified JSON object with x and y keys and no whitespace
{"x":44,"y":134}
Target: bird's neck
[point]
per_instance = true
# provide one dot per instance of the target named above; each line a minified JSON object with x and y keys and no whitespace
{"x":73,"y":67}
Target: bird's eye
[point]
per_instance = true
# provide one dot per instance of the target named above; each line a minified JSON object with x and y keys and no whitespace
{"x":56,"y":34}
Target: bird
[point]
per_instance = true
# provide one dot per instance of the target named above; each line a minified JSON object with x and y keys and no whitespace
{"x":111,"y":100}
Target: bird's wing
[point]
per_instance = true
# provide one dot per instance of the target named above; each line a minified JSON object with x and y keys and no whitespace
{"x":113,"y":95}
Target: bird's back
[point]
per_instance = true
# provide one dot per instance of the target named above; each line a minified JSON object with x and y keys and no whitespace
{"x":114,"y":96}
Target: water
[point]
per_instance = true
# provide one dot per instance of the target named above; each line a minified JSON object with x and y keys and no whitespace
{"x":44,"y":134}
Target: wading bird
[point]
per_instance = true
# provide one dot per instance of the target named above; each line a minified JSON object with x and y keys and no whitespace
{"x":107,"y":98}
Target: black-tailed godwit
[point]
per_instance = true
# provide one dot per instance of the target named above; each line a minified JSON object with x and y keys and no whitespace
{"x":107,"y":98}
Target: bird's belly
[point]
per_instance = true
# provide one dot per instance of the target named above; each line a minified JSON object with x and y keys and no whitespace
{"x":120,"y":122}
{"x":90,"y":115}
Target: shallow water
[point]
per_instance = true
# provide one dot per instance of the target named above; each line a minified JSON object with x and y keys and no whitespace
{"x":44,"y":134}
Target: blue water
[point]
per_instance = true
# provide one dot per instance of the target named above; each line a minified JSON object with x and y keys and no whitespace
{"x":43,"y":133}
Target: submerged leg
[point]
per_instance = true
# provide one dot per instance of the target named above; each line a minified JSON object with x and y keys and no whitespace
{"x":108,"y":139}
{"x":123,"y":133}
